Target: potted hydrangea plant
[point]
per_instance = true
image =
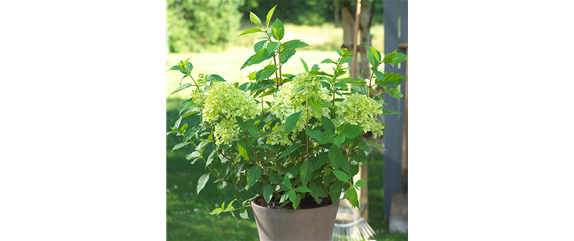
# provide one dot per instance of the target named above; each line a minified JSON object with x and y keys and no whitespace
{"x":293,"y":141}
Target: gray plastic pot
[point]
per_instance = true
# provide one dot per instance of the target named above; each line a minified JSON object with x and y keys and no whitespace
{"x":300,"y":224}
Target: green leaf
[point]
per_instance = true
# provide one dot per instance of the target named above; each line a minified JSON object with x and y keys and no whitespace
{"x":359,"y":155}
{"x":294,"y":44}
{"x":185,"y":104}
{"x":346,"y":59}
{"x":338,"y":52}
{"x":389,"y":112}
{"x":189,"y":67}
{"x":302,"y":189}
{"x":245,"y":148}
{"x":216,"y":211}
{"x":244,"y":214}
{"x":341,"y":176}
{"x":339,"y":139}
{"x":193,"y":155}
{"x":327,"y":137}
{"x":257,"y":58}
{"x":211,"y":157}
{"x":286,"y":55}
{"x":316,"y":190}
{"x":202,"y":181}
{"x":328,"y":124}
{"x":254,"y":18}
{"x":289,"y":150}
{"x":269,"y":14}
{"x":215,"y":77}
{"x":304,"y":65}
{"x":316,"y":107}
{"x":328,"y":61}
{"x":274,"y":178}
{"x":321,"y":161}
{"x":306,"y":172}
{"x":350,"y":191}
{"x":375,"y":145}
{"x":389,"y":57}
{"x":379,"y":99}
{"x":266,"y":72}
{"x":259,"y":45}
{"x":278,"y":30}
{"x":399,"y":58}
{"x":360,"y":183}
{"x":336,"y":190}
{"x":395,"y":93}
{"x":175,"y":67}
{"x":314,"y":134}
{"x":360,"y":89}
{"x":373,"y":56}
{"x":337,"y":157}
{"x":352,"y":131}
{"x":388,"y":79}
{"x":354,"y":199}
{"x":253,"y":175}
{"x":268,"y":147}
{"x":364,"y":146}
{"x":284,"y":198}
{"x":272,"y":47}
{"x":287,"y":182}
{"x":248,"y":31}
{"x":291,"y":121}
{"x":180,"y":145}
{"x":181,"y":87}
{"x":268,"y":192}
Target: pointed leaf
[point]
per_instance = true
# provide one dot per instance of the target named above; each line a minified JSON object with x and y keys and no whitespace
{"x":253,"y":175}
{"x":181,"y":87}
{"x":269,"y":14}
{"x":375,"y":145}
{"x":291,"y":121}
{"x":294,"y":44}
{"x":399,"y":58}
{"x":259,"y":45}
{"x":360,"y":183}
{"x":306,"y":172}
{"x":302,"y":189}
{"x":286,"y":55}
{"x":390,"y":112}
{"x":289,"y":150}
{"x":268,"y":192}
{"x":339,"y":139}
{"x":341,"y":176}
{"x":245,"y":148}
{"x":336,"y":156}
{"x":254,"y":18}
{"x":352,"y":131}
{"x":389,"y":57}
{"x":304,"y":65}
{"x":327,"y":137}
{"x":316,"y":134}
{"x":373,"y":56}
{"x":244,"y":214}
{"x":251,"y":30}
{"x":328,"y":124}
{"x":202,"y":181}
{"x":278,"y":30}
{"x":316,"y":107}
{"x":268,"y":147}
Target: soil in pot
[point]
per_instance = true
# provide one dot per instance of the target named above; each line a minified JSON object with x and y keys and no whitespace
{"x":307,"y":202}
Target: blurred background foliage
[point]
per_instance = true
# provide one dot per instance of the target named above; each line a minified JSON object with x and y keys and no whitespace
{"x":212,"y":25}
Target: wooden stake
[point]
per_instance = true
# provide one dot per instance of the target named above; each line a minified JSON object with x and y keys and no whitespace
{"x":354,"y":63}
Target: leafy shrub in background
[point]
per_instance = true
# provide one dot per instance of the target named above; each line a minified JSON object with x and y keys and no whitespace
{"x":194,"y":25}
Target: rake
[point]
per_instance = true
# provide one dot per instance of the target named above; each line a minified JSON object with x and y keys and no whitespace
{"x":349,"y":225}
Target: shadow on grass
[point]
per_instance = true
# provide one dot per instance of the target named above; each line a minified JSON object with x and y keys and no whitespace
{"x":188,"y":215}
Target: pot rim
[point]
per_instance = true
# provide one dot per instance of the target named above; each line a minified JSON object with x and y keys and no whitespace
{"x":255,"y":205}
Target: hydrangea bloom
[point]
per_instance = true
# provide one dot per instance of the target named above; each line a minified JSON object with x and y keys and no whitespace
{"x":224,"y":103}
{"x":291,"y":98}
{"x":359,"y":109}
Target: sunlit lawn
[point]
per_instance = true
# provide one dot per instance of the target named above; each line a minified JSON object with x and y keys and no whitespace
{"x":188,"y":215}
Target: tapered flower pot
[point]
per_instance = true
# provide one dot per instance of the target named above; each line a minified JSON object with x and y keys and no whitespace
{"x":300,"y":224}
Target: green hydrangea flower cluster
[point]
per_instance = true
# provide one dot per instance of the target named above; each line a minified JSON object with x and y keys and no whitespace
{"x":224,"y":103}
{"x":292,"y":96}
{"x":359,"y":109}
